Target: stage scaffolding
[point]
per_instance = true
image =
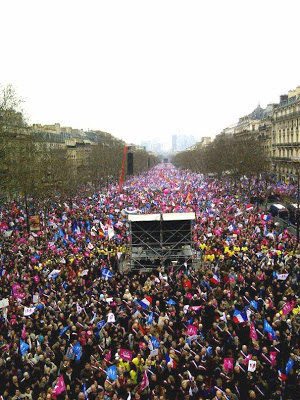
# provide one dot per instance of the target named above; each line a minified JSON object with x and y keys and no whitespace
{"x":161,"y":240}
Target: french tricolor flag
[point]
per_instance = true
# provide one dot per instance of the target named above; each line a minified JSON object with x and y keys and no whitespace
{"x":215,"y":279}
{"x":281,"y":376}
{"x":145,"y":303}
{"x":239,"y":318}
{"x":266,"y":217}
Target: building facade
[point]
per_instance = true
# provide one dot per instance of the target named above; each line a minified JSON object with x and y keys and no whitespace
{"x":277,"y":127}
{"x":285,"y":139}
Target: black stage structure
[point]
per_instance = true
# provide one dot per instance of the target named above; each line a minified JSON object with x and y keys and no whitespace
{"x":161,"y":240}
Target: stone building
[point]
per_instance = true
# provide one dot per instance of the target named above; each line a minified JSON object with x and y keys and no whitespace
{"x":277,"y":127}
{"x":285,"y":138}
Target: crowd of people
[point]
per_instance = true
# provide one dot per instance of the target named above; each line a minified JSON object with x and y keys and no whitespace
{"x":75,"y":323}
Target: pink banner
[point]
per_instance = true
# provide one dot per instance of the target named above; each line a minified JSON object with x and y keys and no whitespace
{"x":191,"y":330}
{"x":228,"y":364}
{"x":287,"y":308}
{"x":145,"y":382}
{"x":253,"y":333}
{"x":247,"y":359}
{"x":126,"y":355}
{"x":273,"y":355}
{"x":108,"y":356}
{"x":23,"y":334}
{"x":60,"y":386}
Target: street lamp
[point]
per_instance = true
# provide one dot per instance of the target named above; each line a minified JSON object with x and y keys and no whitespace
{"x":296,"y":160}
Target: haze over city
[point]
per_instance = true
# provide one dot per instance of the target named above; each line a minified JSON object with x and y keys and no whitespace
{"x":146,"y":71}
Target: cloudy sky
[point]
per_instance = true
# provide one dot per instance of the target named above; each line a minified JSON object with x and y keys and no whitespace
{"x":148,"y":69}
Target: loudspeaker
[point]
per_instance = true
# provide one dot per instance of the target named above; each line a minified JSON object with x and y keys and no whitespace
{"x":129,"y":163}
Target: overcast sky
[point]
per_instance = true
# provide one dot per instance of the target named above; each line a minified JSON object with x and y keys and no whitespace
{"x":149,"y":69}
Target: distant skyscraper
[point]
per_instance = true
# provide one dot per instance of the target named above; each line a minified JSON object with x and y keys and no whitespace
{"x":182,"y":142}
{"x":174,"y":142}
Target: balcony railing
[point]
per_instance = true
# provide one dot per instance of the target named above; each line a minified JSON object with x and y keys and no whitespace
{"x":286,"y":144}
{"x":262,"y":127}
{"x":282,"y":159}
{"x":288,"y":116}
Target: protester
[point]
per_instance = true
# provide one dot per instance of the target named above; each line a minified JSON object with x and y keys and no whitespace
{"x":74,"y":324}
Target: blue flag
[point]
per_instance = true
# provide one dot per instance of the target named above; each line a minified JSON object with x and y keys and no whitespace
{"x":150,"y":318}
{"x":155,"y":342}
{"x":269,"y":329}
{"x":63,"y":330}
{"x":289,"y":366}
{"x":106,"y":274}
{"x":100,"y":324}
{"x":60,"y":232}
{"x":253,"y":304}
{"x":84,"y":391}
{"x":74,"y":225}
{"x":77,"y":349}
{"x":171,"y":302}
{"x":190,"y":321}
{"x":23,"y":347}
{"x":111,"y":372}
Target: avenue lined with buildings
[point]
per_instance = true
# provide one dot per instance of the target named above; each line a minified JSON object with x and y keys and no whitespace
{"x":76,"y":324}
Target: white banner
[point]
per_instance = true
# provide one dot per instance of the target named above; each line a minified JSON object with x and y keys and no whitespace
{"x":4,"y":303}
{"x":252,"y":366}
{"x":28,"y":311}
{"x":111,"y":317}
{"x":282,"y":277}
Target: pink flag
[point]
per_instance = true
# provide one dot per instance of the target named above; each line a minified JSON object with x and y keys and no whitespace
{"x":108,"y":356}
{"x":228,"y":364}
{"x":6,"y":347}
{"x":196,"y":308}
{"x":145,"y":382}
{"x":247,"y":359}
{"x":191,"y":330}
{"x":288,"y":307}
{"x":261,"y":276}
{"x":60,"y":386}
{"x":126,"y":355}
{"x":19,"y":295}
{"x":253,"y":333}
{"x":15,"y":287}
{"x":273,"y":355}
{"x":23,"y":332}
{"x":16,"y":293}
{"x":141,"y":345}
